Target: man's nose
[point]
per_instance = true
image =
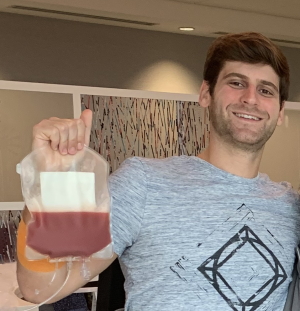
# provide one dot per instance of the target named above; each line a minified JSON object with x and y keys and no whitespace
{"x":249,"y":95}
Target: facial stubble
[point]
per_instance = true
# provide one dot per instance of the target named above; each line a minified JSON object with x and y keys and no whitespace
{"x":244,"y":139}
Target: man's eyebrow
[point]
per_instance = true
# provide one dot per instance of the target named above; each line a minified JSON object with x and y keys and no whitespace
{"x":264,"y":82}
{"x":235,"y":74}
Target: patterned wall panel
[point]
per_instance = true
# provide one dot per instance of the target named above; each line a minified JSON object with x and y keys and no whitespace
{"x":155,"y":128}
{"x":9,"y":222}
{"x":193,"y":128}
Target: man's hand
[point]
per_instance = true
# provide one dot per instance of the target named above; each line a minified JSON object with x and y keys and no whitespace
{"x":65,"y":135}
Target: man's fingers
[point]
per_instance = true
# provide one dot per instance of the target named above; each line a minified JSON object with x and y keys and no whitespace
{"x":73,"y":137}
{"x":44,"y":134}
{"x":66,"y":135}
{"x":80,"y":134}
{"x":54,"y":139}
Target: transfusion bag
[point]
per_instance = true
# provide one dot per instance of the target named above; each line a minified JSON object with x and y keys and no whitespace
{"x":69,"y":202}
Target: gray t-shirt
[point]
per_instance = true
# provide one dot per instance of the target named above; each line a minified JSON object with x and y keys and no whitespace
{"x":193,"y":237}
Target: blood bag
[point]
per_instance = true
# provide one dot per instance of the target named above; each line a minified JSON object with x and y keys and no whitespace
{"x":69,"y":203}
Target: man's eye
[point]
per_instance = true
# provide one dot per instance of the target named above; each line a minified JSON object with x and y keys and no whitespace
{"x":236,"y":84}
{"x":266,"y":92}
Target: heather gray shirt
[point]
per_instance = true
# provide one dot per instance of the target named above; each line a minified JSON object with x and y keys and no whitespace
{"x":193,"y":237}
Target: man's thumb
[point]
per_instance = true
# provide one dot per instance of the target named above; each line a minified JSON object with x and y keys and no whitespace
{"x":87,"y":117}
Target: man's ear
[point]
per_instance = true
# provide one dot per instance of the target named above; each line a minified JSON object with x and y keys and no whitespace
{"x":281,"y":115}
{"x":204,"y":96}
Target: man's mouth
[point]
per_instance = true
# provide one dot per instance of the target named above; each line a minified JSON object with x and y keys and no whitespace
{"x":246,"y":116}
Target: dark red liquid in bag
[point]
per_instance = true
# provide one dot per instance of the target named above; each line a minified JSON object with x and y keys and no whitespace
{"x":68,"y":233}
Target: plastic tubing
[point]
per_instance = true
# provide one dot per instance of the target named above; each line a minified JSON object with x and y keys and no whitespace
{"x":69,"y":266}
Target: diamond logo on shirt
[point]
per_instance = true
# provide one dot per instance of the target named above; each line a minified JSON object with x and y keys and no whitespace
{"x":227,"y":275}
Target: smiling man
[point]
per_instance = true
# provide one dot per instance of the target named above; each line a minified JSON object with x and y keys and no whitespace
{"x":245,"y":109}
{"x":206,"y":232}
{"x":250,"y":99}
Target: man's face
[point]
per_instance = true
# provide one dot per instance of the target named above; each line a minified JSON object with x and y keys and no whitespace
{"x":244,"y":108}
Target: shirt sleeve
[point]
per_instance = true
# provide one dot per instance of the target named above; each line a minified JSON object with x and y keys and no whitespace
{"x":128,"y":191}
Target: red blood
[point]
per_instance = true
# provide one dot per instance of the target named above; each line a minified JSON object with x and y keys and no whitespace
{"x":63,"y":234}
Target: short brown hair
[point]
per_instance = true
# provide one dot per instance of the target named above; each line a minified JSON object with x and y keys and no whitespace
{"x":248,"y":47}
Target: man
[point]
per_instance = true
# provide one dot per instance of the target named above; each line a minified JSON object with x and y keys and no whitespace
{"x":207,"y":232}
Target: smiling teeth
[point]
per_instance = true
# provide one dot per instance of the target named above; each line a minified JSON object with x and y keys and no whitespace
{"x":246,"y":116}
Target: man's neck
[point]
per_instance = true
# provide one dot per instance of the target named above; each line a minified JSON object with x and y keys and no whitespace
{"x":232,"y":160}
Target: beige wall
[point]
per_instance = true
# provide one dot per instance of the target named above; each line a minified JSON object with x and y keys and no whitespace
{"x":19,"y":112}
{"x":35,"y":49}
{"x":74,"y":53}
{"x":281,"y":158}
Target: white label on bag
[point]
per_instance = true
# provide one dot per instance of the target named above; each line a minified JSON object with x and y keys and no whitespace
{"x":68,"y":191}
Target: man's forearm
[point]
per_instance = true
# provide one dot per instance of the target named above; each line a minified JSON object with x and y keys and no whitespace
{"x":36,"y":287}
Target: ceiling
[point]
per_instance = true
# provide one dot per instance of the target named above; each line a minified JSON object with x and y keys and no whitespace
{"x":277,"y":19}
